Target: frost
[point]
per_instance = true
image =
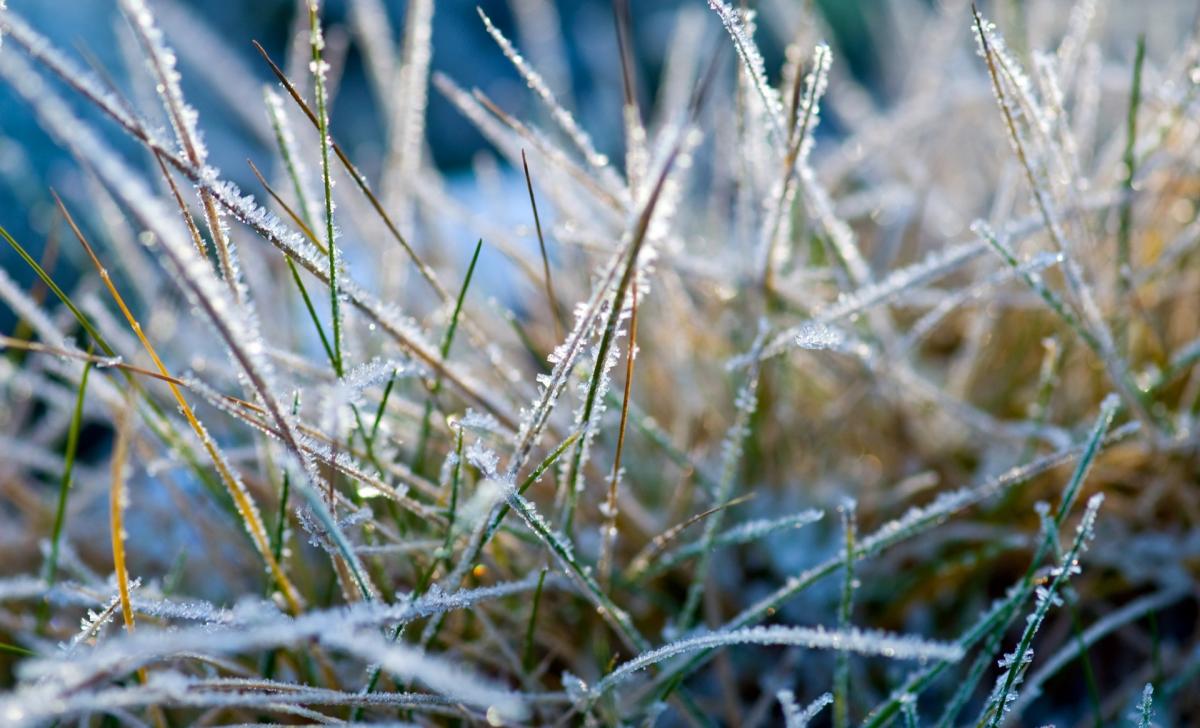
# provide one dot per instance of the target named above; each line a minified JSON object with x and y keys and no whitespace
{"x":482,"y":458}
{"x":440,"y":675}
{"x":1145,"y":710}
{"x":793,"y":199}
{"x":814,"y":335}
{"x":864,"y":642}
{"x":748,"y":51}
{"x":561,"y":116}
{"x":797,"y":717}
{"x":480,"y":422}
{"x":1015,"y":663}
{"x":21,"y":587}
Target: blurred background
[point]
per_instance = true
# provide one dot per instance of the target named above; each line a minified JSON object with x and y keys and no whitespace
{"x":221,"y":69}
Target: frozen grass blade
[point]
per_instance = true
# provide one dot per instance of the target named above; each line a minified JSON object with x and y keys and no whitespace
{"x":408,"y":101}
{"x":629,"y":255}
{"x":64,"y":484}
{"x":444,"y":352}
{"x":562,"y":117}
{"x":1017,"y":661}
{"x":755,"y":67}
{"x":320,"y":69}
{"x":1091,"y":320}
{"x":796,"y":717}
{"x":799,"y":144}
{"x":161,"y":60}
{"x":993,"y":623}
{"x":896,"y":647}
{"x":1145,"y":709}
{"x":917,"y":520}
{"x":608,"y":529}
{"x":551,"y":299}
{"x":1106,"y":625}
{"x":733,"y":448}
{"x":841,"y":670}
{"x":117,"y":503}
{"x":241,"y":497}
{"x":359,"y":179}
{"x":308,"y":304}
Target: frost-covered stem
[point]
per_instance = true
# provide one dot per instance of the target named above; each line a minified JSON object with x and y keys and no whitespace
{"x":1114,"y":363}
{"x":1098,"y":630}
{"x":64,"y":485}
{"x":793,"y":715}
{"x":608,"y":527}
{"x":1047,"y":597}
{"x":916,"y":521}
{"x":562,"y":118}
{"x":574,"y":479}
{"x":841,"y":671}
{"x":968,"y":682}
{"x":234,"y":326}
{"x":798,"y":147}
{"x":994,"y":624}
{"x":493,"y":523}
{"x":406,"y":132}
{"x":116,"y":515}
{"x":755,"y":68}
{"x":864,"y":642}
{"x":183,"y":120}
{"x":609,"y":611}
{"x":488,"y":526}
{"x":1145,"y":710}
{"x":747,"y":404}
{"x":285,"y":142}
{"x":242,"y":499}
{"x":319,"y":69}
{"x":360,"y":180}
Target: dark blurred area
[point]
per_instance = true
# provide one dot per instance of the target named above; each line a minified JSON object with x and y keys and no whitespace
{"x":223,"y":31}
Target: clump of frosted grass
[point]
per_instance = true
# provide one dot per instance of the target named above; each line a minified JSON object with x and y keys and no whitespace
{"x":338,"y":510}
